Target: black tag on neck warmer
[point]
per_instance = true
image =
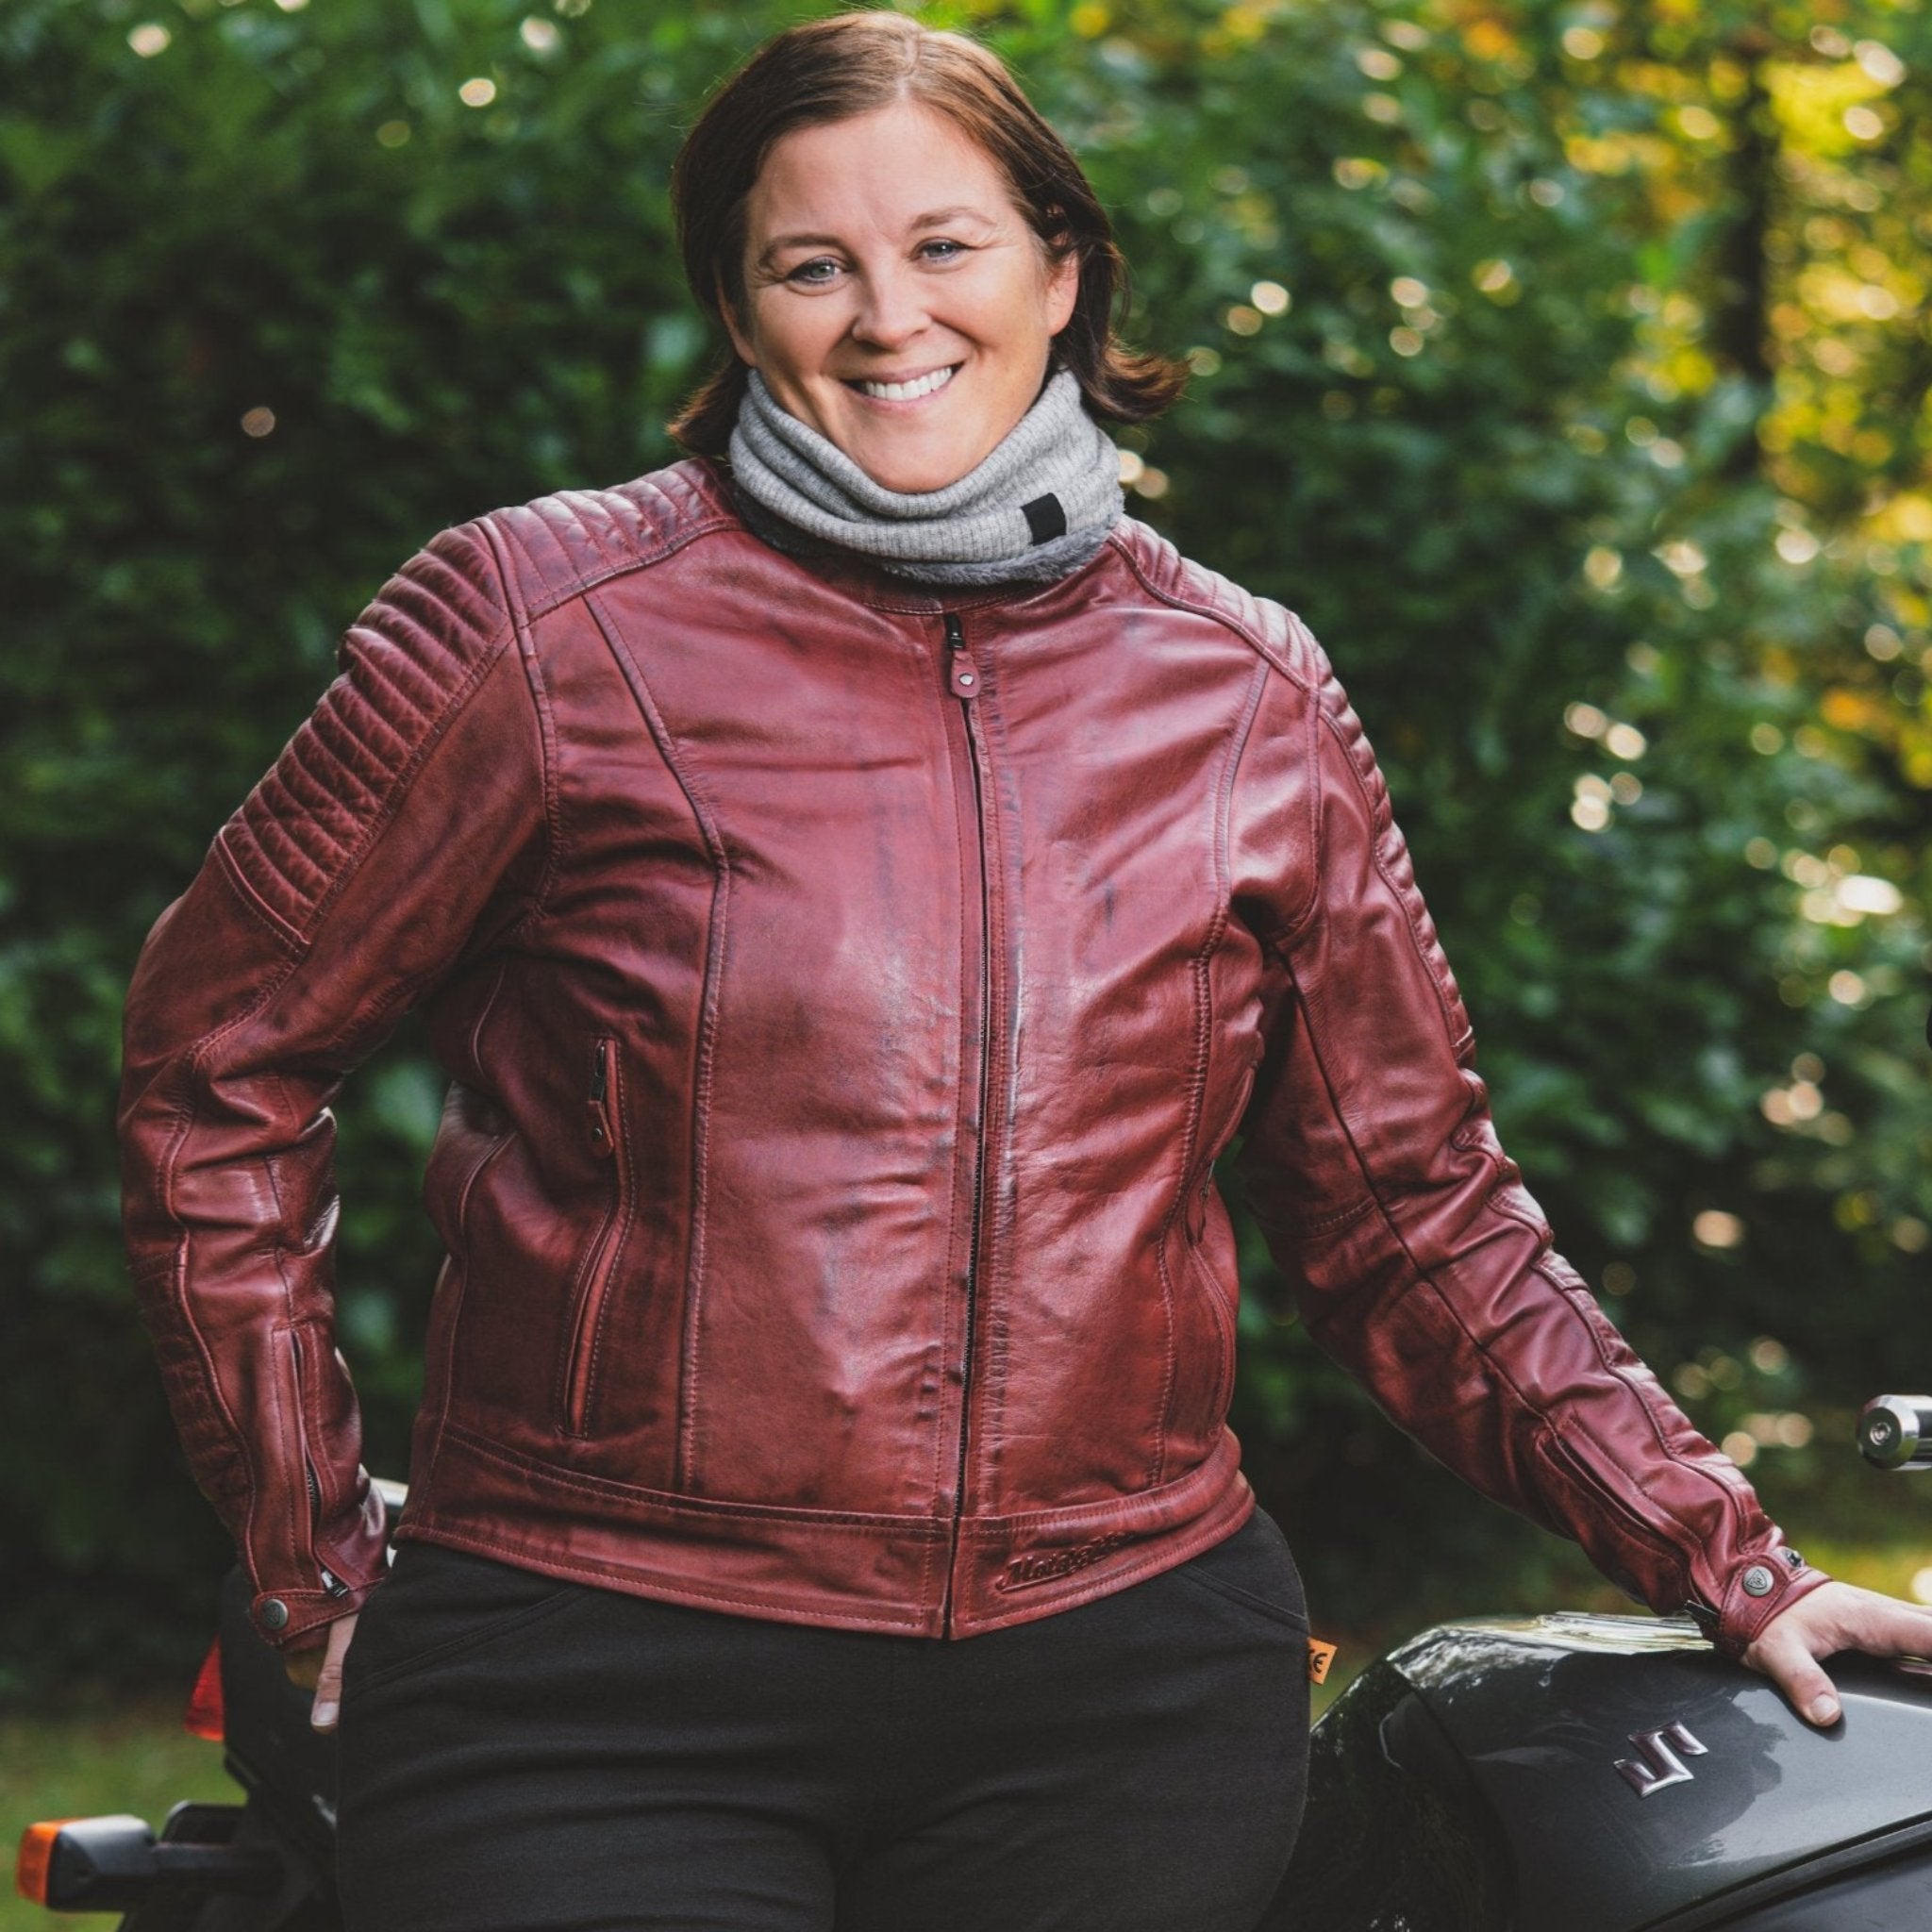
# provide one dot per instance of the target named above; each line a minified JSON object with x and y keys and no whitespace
{"x":1044,"y":517}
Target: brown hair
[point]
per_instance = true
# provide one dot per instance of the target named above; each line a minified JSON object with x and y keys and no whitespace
{"x":849,"y":64}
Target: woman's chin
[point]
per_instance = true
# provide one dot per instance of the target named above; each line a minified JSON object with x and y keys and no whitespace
{"x":910,"y":456}
{"x":914,"y":471}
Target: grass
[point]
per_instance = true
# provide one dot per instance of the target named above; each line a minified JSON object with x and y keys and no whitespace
{"x":97,"y":1759}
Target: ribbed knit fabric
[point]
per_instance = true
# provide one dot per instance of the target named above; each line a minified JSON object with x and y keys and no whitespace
{"x":1039,"y":505}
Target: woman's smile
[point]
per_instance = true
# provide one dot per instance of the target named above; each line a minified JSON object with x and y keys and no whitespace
{"x":904,"y":389}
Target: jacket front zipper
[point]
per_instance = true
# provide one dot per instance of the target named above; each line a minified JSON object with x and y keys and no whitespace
{"x":605,"y":1137}
{"x":964,"y":682}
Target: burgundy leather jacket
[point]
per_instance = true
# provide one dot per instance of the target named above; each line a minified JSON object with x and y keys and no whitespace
{"x":845,"y":991}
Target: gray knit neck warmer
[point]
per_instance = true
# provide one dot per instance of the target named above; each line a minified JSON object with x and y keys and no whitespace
{"x":1039,"y":505}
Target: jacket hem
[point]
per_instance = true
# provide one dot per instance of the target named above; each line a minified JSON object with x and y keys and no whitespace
{"x":838,"y":1569}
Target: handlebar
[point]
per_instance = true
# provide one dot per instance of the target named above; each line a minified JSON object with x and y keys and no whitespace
{"x":1895,"y":1431}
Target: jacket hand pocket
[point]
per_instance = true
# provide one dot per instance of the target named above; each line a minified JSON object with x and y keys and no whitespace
{"x":605,"y":1137}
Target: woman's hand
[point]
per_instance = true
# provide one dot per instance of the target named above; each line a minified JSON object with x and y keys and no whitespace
{"x":321,"y":1670}
{"x":1833,"y":1618}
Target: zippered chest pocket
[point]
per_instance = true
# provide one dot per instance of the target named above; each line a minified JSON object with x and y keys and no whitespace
{"x":603,"y":1133}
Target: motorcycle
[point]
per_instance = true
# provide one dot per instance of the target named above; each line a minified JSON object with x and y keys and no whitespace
{"x":1563,"y":1773}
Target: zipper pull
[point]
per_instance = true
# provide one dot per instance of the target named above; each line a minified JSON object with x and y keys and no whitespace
{"x":965,"y":673}
{"x":603,"y":1136}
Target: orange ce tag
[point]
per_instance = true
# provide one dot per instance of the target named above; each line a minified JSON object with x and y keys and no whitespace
{"x":1320,"y":1657}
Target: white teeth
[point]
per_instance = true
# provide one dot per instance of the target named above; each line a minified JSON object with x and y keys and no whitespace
{"x":904,"y":391}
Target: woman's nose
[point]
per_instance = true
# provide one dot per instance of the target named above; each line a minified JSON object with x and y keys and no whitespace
{"x":891,"y":308}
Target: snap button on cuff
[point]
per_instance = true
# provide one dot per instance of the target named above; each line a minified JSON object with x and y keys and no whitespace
{"x":1758,"y":1580}
{"x":273,"y":1615}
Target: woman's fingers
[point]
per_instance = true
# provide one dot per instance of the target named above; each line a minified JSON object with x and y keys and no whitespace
{"x":328,"y":1682}
{"x":1835,"y":1617}
{"x":1788,"y":1648}
{"x":1789,"y":1659}
{"x":303,"y":1666}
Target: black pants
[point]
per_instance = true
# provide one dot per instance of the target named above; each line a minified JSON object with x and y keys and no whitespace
{"x":521,"y":1754}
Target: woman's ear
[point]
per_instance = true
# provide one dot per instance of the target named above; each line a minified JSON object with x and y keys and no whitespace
{"x":1063,"y":265}
{"x":1062,"y":289}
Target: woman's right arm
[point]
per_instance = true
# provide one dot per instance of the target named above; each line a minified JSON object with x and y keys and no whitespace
{"x":402,"y":825}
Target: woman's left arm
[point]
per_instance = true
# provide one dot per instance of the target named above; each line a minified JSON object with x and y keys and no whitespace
{"x":1423,"y":1265}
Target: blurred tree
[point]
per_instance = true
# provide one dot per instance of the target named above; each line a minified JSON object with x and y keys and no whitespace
{"x":1564,"y":363}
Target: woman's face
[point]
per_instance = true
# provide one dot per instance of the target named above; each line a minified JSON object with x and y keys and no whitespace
{"x":887,"y":250}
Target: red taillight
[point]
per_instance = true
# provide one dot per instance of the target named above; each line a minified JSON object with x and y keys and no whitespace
{"x":205,"y":1717}
{"x":37,"y":1858}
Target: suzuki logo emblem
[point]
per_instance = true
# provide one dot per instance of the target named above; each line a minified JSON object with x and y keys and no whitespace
{"x":1660,"y":1764}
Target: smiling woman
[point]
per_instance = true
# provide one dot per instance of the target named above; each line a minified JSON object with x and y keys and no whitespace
{"x":900,"y":309}
{"x":961,"y":143}
{"x":859,"y":882}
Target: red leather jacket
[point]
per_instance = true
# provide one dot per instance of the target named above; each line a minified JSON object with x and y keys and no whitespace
{"x":845,"y":991}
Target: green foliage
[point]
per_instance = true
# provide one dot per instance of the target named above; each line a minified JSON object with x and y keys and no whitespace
{"x":1545,"y":363}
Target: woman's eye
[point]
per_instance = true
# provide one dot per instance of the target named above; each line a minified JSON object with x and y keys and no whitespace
{"x":955,"y":250}
{"x":808,"y":272}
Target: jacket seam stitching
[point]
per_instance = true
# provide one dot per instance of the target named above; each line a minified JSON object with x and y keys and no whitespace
{"x":1424,"y":1279}
{"x":251,"y":902}
{"x":1381,"y":822}
{"x":523,"y":630}
{"x":1312,"y":729}
{"x":611,"y":1572}
{"x":717,"y":957}
{"x":1557,"y":1447}
{"x":676,"y":1502}
{"x":1258,"y":644}
{"x":187,"y":1118}
{"x":461,"y":1263}
{"x":584,"y":582}
{"x":1201,"y":975}
{"x":1730,"y":1498}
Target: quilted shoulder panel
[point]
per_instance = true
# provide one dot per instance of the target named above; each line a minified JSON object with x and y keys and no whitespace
{"x":562,"y":544}
{"x":1274,"y":631}
{"x":408,"y":663}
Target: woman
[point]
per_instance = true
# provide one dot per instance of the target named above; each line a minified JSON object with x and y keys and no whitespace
{"x":859,"y":882}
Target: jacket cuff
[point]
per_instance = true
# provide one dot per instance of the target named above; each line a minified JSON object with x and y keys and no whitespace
{"x":293,"y":1613}
{"x":1756,"y":1589}
{"x":298,"y":1620}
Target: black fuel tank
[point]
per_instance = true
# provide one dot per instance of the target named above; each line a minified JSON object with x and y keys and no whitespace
{"x":1586,"y":1773}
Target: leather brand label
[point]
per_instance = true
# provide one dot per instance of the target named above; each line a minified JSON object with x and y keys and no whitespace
{"x":1042,"y":1566}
